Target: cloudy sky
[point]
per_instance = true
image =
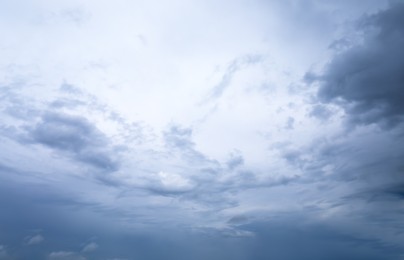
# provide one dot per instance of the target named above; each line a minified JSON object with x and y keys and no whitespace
{"x":242,"y":130}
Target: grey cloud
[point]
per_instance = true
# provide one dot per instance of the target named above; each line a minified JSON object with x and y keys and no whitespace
{"x":321,"y":112}
{"x":203,"y":174}
{"x":310,"y":77}
{"x":340,"y":44}
{"x":235,"y":160}
{"x":367,"y":79}
{"x":76,"y":136}
{"x":238,"y":220}
{"x":15,"y":105}
{"x":21,"y":112}
{"x":70,"y":89}
{"x":179,"y":137}
{"x":290,"y":123}
{"x":65,"y":132}
{"x":66,"y":103}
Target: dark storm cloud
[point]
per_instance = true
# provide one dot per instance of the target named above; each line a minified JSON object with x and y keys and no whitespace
{"x":368,"y":79}
{"x":76,"y":136}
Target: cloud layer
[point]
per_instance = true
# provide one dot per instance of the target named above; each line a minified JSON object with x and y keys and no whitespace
{"x":153,"y":130}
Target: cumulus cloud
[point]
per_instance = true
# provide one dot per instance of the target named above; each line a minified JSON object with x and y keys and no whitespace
{"x":367,"y":79}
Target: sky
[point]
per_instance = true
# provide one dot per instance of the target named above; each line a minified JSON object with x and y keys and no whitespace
{"x":150,"y":130}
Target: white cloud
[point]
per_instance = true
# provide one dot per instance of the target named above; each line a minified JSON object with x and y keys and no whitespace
{"x":65,"y":255}
{"x":34,"y":240}
{"x":174,"y":181}
{"x":90,"y":247}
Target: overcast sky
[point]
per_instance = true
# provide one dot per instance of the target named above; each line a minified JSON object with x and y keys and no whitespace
{"x":194,"y":130}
